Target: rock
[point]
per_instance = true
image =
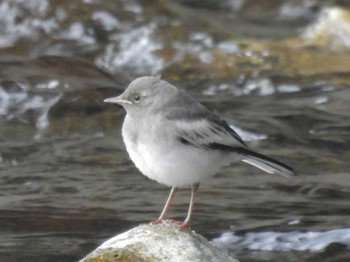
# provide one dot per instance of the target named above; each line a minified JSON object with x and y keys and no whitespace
{"x":161,"y":242}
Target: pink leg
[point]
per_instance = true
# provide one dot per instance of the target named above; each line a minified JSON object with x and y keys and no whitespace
{"x":167,"y":205}
{"x":190,"y":208}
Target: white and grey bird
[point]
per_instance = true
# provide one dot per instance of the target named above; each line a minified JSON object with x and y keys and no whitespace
{"x":175,"y":140}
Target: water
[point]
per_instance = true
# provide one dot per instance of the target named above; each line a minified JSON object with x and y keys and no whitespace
{"x":66,"y":181}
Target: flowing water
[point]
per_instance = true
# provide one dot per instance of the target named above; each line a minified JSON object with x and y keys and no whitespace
{"x":66,"y":181}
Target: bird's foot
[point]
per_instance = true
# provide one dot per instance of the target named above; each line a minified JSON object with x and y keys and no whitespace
{"x":156,"y":222}
{"x":181,"y":224}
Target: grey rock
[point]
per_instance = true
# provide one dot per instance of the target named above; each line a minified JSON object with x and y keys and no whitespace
{"x":161,"y":242}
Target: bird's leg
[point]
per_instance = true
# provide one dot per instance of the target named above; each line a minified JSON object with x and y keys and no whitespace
{"x":167,"y":205}
{"x":187,"y":221}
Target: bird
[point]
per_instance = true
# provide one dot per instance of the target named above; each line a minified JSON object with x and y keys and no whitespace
{"x":175,"y":140}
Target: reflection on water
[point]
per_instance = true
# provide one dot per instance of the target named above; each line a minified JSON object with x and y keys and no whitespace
{"x":66,"y":181}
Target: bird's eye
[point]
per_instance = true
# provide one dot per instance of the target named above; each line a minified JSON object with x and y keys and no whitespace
{"x":136,"y":98}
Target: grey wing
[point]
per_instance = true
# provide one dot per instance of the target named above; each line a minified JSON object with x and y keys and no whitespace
{"x":197,"y":126}
{"x":203,"y":133}
{"x":194,"y":125}
{"x":209,"y":135}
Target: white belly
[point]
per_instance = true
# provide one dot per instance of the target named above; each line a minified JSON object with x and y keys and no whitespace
{"x":170,"y":162}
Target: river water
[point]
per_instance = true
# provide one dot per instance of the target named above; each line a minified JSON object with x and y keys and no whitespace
{"x":66,"y":181}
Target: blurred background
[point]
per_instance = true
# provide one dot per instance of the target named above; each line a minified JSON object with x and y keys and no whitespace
{"x":277,"y":71}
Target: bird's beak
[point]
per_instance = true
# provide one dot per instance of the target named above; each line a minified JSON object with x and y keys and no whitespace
{"x":117,"y":100}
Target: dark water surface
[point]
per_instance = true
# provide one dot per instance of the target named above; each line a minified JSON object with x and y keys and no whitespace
{"x":66,"y":181}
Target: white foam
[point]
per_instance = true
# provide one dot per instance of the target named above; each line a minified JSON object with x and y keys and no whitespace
{"x":16,"y":105}
{"x":133,"y":48}
{"x":284,"y":241}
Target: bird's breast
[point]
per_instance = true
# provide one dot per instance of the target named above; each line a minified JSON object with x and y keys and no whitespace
{"x":159,"y":155}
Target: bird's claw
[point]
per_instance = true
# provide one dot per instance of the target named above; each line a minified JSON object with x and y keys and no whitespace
{"x":181,"y":224}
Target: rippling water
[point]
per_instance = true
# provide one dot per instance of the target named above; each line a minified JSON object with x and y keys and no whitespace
{"x":66,"y":181}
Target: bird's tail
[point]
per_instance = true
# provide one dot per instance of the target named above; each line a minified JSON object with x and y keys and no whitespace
{"x":265,"y":163}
